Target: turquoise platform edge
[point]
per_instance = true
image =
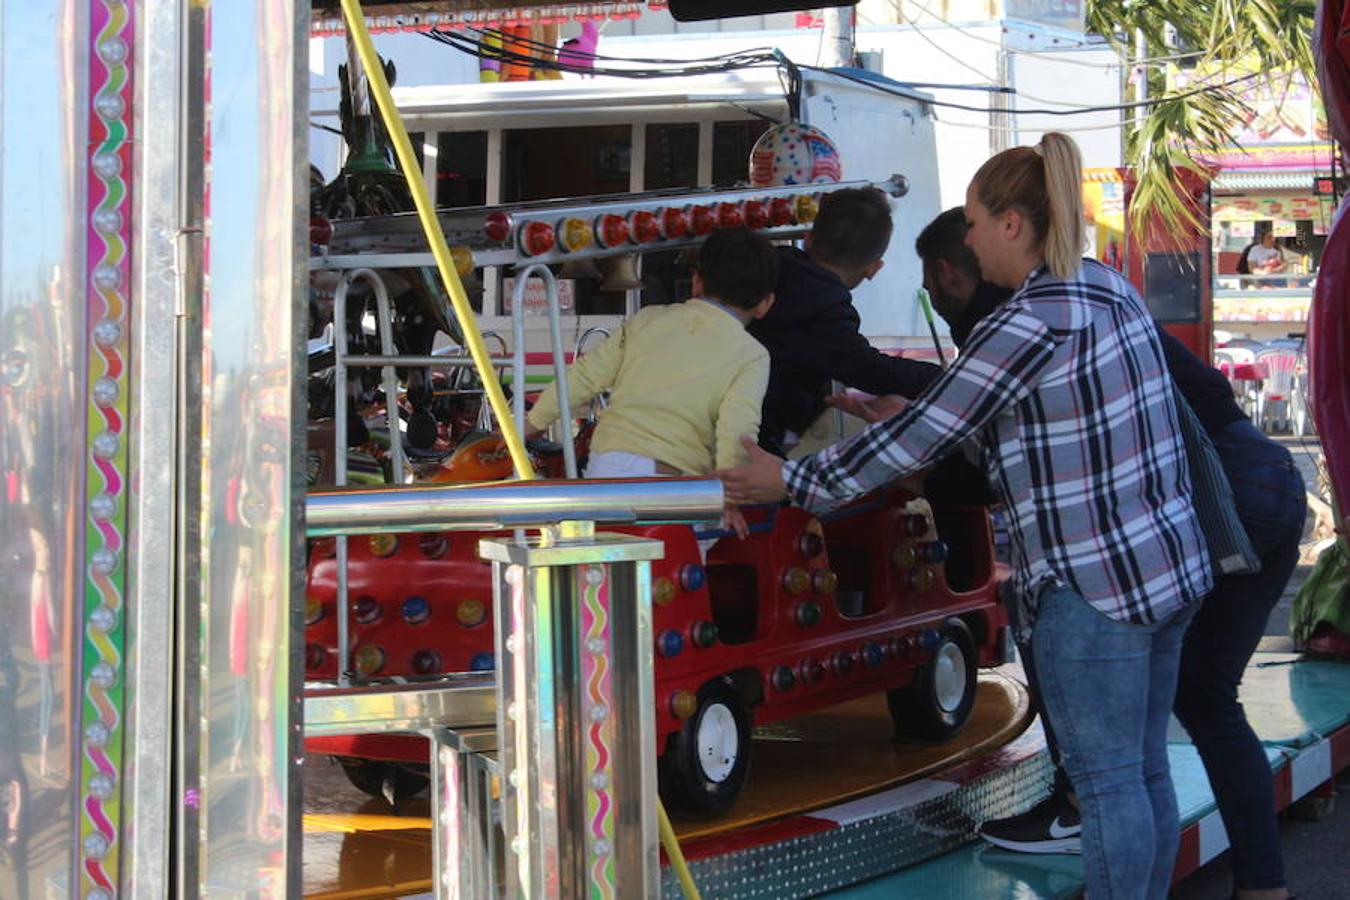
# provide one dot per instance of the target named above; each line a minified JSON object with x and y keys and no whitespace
{"x":1292,"y":704}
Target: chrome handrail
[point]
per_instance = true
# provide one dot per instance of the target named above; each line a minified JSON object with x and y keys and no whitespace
{"x":559,"y":356}
{"x":511,"y":504}
{"x":387,"y":349}
{"x":600,"y":401}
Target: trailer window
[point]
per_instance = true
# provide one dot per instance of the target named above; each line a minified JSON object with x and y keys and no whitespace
{"x":461,"y":168}
{"x":666,"y":278}
{"x":672,"y":156}
{"x":544,"y":163}
{"x":732,"y":142}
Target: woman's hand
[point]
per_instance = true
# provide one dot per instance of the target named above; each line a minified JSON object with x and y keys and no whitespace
{"x":869,"y":409}
{"x":760,"y":480}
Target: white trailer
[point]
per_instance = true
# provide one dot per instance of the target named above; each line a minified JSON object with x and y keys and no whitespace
{"x":490,"y":125}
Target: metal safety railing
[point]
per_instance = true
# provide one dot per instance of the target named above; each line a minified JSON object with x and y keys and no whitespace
{"x":543,"y":273}
{"x":342,"y":359}
{"x":389,"y":360}
{"x":601,"y":400}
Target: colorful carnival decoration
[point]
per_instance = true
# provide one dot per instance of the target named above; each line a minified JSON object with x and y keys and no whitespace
{"x":598,"y":699}
{"x":794,"y":153}
{"x":108,"y":298}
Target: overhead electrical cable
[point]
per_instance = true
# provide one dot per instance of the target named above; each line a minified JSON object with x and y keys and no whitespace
{"x":1152,"y":101}
{"x":1148,"y":61}
{"x":777,"y":59}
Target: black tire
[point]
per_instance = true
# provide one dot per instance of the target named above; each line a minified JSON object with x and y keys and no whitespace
{"x":930,"y":709}
{"x":389,"y":780}
{"x":709,"y":781}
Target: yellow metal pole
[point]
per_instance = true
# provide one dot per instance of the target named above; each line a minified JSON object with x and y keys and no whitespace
{"x":426,"y":214}
{"x":676,"y":855}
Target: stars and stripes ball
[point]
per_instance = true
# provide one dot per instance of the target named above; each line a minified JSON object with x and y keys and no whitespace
{"x":794,"y":153}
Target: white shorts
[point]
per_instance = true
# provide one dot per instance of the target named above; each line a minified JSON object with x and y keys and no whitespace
{"x":619,"y":464}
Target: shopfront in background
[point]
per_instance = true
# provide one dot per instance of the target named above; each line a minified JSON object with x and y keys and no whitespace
{"x":1277,"y":176}
{"x":1300,"y":221}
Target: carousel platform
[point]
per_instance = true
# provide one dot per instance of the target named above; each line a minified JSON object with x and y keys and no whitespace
{"x":836,"y":806}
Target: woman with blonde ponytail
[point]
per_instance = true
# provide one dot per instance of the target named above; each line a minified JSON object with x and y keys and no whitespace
{"x":1042,"y":187}
{"x":1024,"y":211}
{"x":1066,"y":388}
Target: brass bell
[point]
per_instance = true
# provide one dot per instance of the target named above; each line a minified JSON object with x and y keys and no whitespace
{"x":473,"y":285}
{"x":621,"y":274}
{"x":577,"y":269}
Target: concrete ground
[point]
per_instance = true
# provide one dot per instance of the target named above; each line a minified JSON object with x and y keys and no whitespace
{"x":1315,"y":852}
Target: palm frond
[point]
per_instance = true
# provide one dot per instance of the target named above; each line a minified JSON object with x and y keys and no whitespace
{"x":1228,"y":36}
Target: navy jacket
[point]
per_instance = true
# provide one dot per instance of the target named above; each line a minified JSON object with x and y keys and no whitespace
{"x":813,"y":337}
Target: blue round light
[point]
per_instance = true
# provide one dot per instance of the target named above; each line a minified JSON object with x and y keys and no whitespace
{"x":669,"y":643}
{"x":416,"y":610}
{"x":873,"y":655}
{"x":692,"y":576}
{"x":482,"y":662}
{"x":929,"y":639}
{"x":935,"y":552}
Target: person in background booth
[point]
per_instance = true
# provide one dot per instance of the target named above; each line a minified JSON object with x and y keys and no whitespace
{"x":1265,"y":257}
{"x":1066,"y":386}
{"x":813,"y":331}
{"x":1262,"y":256}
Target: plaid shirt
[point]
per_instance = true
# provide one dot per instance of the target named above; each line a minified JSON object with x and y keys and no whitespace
{"x":1066,"y":387}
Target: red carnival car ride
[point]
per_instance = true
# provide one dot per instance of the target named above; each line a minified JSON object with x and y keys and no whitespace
{"x":887,"y":594}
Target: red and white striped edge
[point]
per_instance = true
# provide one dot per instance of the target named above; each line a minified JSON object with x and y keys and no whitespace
{"x":1306,"y":769}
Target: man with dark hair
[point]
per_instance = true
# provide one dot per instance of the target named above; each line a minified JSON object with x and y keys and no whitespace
{"x":951,"y":275}
{"x":813,"y":331}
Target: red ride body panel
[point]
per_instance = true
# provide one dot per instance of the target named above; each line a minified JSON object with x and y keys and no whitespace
{"x":745,"y":589}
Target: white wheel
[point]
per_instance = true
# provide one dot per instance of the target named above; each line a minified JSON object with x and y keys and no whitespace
{"x":719,"y":743}
{"x":937,"y":703}
{"x":949,"y":677}
{"x":705,"y":763}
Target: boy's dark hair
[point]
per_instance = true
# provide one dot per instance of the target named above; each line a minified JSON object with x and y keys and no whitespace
{"x":738,"y":267}
{"x":945,"y":238}
{"x":852,"y":229}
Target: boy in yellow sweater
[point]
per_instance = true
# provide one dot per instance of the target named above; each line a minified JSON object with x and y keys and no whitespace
{"x":685,"y":380}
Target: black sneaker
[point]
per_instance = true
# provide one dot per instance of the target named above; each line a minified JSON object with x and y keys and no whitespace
{"x":1051,"y":826}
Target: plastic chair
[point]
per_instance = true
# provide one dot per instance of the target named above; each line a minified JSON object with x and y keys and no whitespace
{"x":1277,"y":388}
{"x":1243,"y":342}
{"x":1246,"y":392}
{"x":1300,"y":409}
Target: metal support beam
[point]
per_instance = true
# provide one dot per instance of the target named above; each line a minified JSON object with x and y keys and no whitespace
{"x":574,"y":716}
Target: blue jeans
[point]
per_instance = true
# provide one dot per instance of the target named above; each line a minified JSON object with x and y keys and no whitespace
{"x":1107,"y":688}
{"x":1269,"y":494}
